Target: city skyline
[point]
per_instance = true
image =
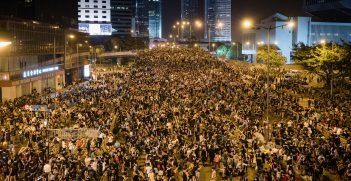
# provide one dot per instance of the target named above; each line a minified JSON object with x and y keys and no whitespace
{"x":240,"y":9}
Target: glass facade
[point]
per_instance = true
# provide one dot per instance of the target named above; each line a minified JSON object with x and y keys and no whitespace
{"x":330,"y":32}
{"x":35,"y":45}
{"x":141,"y":18}
{"x":155,"y":19}
{"x":218,"y":20}
{"x":189,"y":10}
{"x":121,"y":17}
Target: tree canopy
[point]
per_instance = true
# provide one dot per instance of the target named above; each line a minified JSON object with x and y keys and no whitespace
{"x":328,"y":60}
{"x":274,"y":58}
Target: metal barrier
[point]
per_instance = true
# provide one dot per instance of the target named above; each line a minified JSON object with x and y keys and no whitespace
{"x":71,"y":133}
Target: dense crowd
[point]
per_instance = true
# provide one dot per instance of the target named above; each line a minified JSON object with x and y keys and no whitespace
{"x":175,"y":112}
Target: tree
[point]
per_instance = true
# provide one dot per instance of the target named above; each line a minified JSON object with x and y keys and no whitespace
{"x":222,"y":51}
{"x":275,"y":59}
{"x":234,"y":52}
{"x":345,"y":69}
{"x":326,"y":60}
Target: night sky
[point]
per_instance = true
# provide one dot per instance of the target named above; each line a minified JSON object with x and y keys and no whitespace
{"x":255,"y":9}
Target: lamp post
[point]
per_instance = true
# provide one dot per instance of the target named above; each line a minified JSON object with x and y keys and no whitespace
{"x":323,"y":42}
{"x":237,"y":50}
{"x":219,"y":25}
{"x":78,"y":45}
{"x":55,"y":28}
{"x":248,"y":24}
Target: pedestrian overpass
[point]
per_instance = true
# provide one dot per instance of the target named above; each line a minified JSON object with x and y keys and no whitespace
{"x":121,"y":58}
{"x":118,"y":54}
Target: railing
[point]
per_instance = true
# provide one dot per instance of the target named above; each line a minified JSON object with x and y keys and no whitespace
{"x":112,"y":54}
{"x":71,"y":133}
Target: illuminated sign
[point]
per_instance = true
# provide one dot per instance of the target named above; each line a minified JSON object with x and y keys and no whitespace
{"x":86,"y":71}
{"x":95,"y":29}
{"x":36,"y":72}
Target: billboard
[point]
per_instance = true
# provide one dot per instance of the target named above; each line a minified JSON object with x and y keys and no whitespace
{"x":95,"y":29}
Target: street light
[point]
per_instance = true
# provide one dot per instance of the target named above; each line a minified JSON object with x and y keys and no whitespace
{"x":324,"y":42}
{"x":248,"y":24}
{"x":237,"y":50}
{"x":198,"y":23}
{"x":177,"y":26}
{"x":171,"y":36}
{"x":5,"y":44}
{"x":219,"y":25}
{"x":78,"y":45}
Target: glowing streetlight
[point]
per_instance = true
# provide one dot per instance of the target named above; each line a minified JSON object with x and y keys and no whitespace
{"x":291,"y":24}
{"x":196,"y":45}
{"x":323,"y":41}
{"x":170,"y":36}
{"x":71,"y":36}
{"x":5,"y":44}
{"x":247,"y":24}
{"x":220,"y":25}
{"x":198,"y":24}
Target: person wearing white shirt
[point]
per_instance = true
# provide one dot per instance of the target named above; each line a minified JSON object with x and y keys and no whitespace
{"x":47,"y":168}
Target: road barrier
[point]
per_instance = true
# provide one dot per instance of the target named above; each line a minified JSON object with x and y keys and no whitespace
{"x":71,"y":133}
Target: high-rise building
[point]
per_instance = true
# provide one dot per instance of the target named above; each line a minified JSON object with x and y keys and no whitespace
{"x":189,"y":13}
{"x":94,"y":17}
{"x":62,"y":12}
{"x":121,"y":17}
{"x":329,"y":10}
{"x":218,"y":20}
{"x":140,"y":20}
{"x":155,"y":19}
{"x":189,"y":10}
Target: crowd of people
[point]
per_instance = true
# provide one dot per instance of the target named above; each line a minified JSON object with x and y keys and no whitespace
{"x":176,"y":112}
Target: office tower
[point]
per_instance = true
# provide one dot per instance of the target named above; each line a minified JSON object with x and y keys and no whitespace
{"x":329,"y":10}
{"x":121,"y":17}
{"x":189,"y":10}
{"x":218,"y":20}
{"x":189,"y":14}
{"x":155,"y":19}
{"x":94,"y":17}
{"x":140,"y":20}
